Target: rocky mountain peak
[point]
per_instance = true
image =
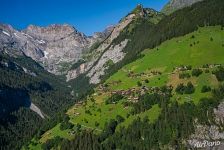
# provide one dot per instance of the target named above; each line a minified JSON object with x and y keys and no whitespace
{"x":141,"y":12}
{"x":6,"y":27}
{"x":56,"y":47}
{"x":105,"y":33}
{"x":52,"y":27}
{"x":51,"y":32}
{"x":138,"y":9}
{"x":107,"y":51}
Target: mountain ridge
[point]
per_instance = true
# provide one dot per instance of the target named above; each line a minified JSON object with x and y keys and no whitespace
{"x":49,"y":45}
{"x":125,"y":93}
{"x":110,"y":52}
{"x":174,"y":5}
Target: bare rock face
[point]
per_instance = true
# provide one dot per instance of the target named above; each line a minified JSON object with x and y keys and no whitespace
{"x":58,"y":47}
{"x":97,"y":53}
{"x":209,"y":137}
{"x":100,"y":36}
{"x":63,"y":44}
{"x":55,"y":47}
{"x":15,"y":42}
{"x":109,"y":53}
{"x":72,"y":74}
{"x":113,"y":55}
{"x":51,"y":33}
{"x":99,"y":60}
{"x":174,"y":5}
{"x":219,"y":113}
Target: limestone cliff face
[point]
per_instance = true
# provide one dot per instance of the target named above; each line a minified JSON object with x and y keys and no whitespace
{"x":96,"y":54}
{"x":174,"y":5}
{"x":107,"y":53}
{"x":56,"y":47}
{"x":113,"y":55}
{"x":100,"y":36}
{"x":15,"y":42}
{"x":62,"y":45}
{"x":72,"y":74}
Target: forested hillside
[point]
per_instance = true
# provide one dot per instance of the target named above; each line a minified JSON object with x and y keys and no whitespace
{"x":143,"y":93}
{"x":22,"y":82}
{"x":146,"y":35}
{"x":156,"y":98}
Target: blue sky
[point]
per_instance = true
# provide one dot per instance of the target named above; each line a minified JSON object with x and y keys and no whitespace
{"x":87,"y":16}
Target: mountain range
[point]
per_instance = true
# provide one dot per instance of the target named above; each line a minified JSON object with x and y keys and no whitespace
{"x":119,"y":88}
{"x":52,"y":46}
{"x":57,"y":47}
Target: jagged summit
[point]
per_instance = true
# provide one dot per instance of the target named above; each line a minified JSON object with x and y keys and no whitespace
{"x":4,"y":26}
{"x":51,"y":26}
{"x":138,"y":10}
{"x":53,"y":46}
{"x":51,"y":32}
{"x":58,"y":46}
{"x":104,"y":34}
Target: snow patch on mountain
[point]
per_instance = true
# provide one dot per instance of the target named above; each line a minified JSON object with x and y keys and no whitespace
{"x":41,"y":41}
{"x":29,"y":72}
{"x":34,"y":108}
{"x":6,"y":33}
{"x":46,"y":54}
{"x":16,"y":35}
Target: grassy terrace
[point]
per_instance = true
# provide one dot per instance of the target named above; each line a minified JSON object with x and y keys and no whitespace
{"x":160,"y":67}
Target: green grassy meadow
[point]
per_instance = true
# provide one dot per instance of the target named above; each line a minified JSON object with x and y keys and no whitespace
{"x":204,"y":46}
{"x":174,"y":53}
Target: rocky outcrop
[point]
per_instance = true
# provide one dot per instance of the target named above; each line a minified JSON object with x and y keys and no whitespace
{"x":62,"y":44}
{"x":72,"y":74}
{"x":219,"y":113}
{"x":206,"y":137}
{"x":113,"y":55}
{"x":174,"y":5}
{"x":96,"y":54}
{"x":209,"y":137}
{"x":58,"y":47}
{"x":18,"y":43}
{"x":100,"y":36}
{"x":107,"y":53}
